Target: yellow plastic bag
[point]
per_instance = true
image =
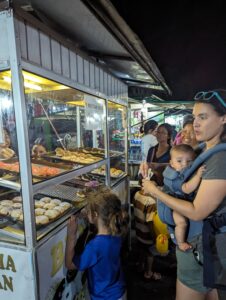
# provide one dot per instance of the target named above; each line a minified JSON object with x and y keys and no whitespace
{"x":162,"y":243}
{"x":159,"y":227}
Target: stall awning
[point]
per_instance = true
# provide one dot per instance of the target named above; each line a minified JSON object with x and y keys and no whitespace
{"x":97,"y":29}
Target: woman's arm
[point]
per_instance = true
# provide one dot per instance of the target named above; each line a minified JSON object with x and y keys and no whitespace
{"x":70,"y":243}
{"x":209,"y":196}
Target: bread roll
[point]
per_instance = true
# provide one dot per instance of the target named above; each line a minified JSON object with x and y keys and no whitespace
{"x":15,"y":213}
{"x":46,"y":199}
{"x":40,"y":211}
{"x":41,"y":220}
{"x":5,"y":210}
{"x":65,"y":205}
{"x":17,"y":205}
{"x":21,"y":217}
{"x":39,"y":204}
{"x":60,"y":209}
{"x":55,"y":201}
{"x":17,"y":199}
{"x":49,"y":205}
{"x":6,"y":202}
{"x":52,"y":213}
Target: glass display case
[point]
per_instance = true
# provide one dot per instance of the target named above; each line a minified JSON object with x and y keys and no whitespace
{"x":54,"y":148}
{"x":117,"y":130}
{"x":67,"y":136}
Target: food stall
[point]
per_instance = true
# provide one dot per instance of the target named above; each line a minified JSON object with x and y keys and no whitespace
{"x":54,"y":97}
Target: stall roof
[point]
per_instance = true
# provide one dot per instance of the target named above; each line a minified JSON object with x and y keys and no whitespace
{"x":97,"y":29}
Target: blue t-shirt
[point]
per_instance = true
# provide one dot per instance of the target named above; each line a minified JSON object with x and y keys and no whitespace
{"x":101,"y":257}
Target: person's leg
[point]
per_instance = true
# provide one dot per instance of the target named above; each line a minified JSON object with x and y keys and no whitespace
{"x":148,"y":264}
{"x":212,"y":295}
{"x":149,"y":273}
{"x":185,"y":293}
{"x":180,"y":231}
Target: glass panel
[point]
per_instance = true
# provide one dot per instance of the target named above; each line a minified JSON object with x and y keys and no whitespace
{"x":11,"y":207}
{"x":54,"y":204}
{"x":66,"y":127}
{"x":117,"y":123}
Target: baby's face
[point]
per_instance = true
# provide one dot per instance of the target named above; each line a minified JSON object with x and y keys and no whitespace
{"x":180,"y":160}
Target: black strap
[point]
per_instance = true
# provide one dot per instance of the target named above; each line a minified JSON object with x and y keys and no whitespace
{"x":211,"y":226}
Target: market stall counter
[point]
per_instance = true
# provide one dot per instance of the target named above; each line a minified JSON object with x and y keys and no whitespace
{"x":55,"y":146}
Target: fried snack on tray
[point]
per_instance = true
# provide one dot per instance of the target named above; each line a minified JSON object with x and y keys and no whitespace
{"x":6,"y":153}
{"x":59,"y":151}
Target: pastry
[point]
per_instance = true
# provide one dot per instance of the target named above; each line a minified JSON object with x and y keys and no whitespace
{"x":21,"y":217}
{"x":59,"y":152}
{"x":17,"y":205}
{"x":6,"y":202}
{"x":49,"y":205}
{"x":6,"y":153}
{"x":59,"y":209}
{"x":65,"y":205}
{"x":80,"y":194}
{"x":46,"y":199}
{"x":40,"y":211}
{"x":41,"y":220}
{"x":5,"y":210}
{"x":55,"y":201}
{"x":39,"y":204}
{"x":17,"y":199}
{"x":15,"y":213}
{"x":52,"y":213}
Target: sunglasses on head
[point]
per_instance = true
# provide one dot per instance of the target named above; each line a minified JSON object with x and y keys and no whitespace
{"x":207,"y":96}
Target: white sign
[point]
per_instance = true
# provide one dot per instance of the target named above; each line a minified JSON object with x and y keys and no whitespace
{"x":16,"y":275}
{"x":52,"y":272}
{"x":94,"y":112}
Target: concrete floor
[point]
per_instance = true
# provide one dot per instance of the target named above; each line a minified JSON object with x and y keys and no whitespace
{"x":138,"y":288}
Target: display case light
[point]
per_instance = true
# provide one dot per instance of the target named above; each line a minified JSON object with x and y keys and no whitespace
{"x":26,"y":84}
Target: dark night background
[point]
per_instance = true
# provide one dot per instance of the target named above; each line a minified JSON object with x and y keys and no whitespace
{"x":186,"y":39}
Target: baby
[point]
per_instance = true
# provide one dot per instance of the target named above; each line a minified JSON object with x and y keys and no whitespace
{"x":181,"y":156}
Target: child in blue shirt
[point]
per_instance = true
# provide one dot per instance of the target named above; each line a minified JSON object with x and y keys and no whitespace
{"x":101,"y":255}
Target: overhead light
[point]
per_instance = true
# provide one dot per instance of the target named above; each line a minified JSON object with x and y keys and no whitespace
{"x":26,"y":84}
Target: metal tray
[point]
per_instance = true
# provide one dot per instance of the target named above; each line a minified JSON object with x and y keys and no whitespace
{"x":119,"y":176}
{"x":64,"y":192}
{"x":52,"y":155}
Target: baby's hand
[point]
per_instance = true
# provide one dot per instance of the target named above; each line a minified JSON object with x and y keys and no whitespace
{"x":201,"y":170}
{"x":72,"y":226}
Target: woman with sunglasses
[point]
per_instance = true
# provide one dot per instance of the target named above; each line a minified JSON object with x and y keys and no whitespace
{"x":210,"y":127}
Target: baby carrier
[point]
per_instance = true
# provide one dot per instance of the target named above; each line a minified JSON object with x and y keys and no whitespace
{"x":209,"y":227}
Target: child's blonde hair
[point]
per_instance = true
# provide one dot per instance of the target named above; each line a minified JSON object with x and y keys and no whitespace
{"x":108,"y":207}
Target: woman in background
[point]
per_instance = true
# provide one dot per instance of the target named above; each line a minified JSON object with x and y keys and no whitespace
{"x":149,"y":139}
{"x":158,"y":157}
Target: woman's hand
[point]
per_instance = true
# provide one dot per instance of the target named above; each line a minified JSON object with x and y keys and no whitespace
{"x":143,"y":170}
{"x":150,"y":187}
{"x":72,"y":226}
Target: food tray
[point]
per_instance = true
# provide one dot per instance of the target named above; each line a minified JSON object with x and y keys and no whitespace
{"x":38,"y":226}
{"x":78,"y":165}
{"x":112,"y":176}
{"x":67,"y":193}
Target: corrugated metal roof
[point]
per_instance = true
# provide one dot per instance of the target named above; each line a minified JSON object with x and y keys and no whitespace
{"x":96,"y":28}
